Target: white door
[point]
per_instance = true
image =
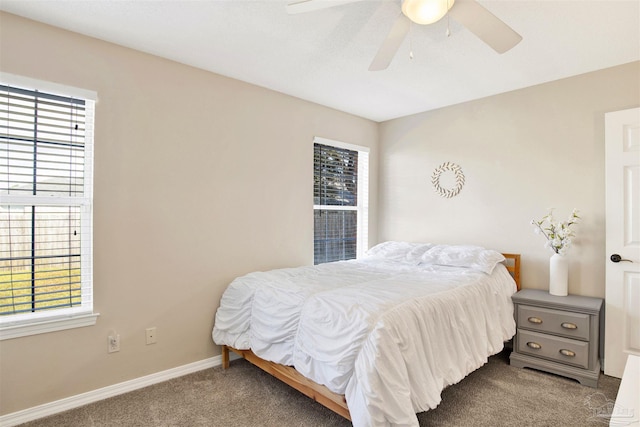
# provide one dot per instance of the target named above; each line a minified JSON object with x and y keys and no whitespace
{"x":622,"y":170}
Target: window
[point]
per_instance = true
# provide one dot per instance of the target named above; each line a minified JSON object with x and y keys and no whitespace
{"x":46,"y":185}
{"x":341,"y":200}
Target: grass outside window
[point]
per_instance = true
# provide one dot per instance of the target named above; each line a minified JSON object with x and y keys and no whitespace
{"x":49,"y":289}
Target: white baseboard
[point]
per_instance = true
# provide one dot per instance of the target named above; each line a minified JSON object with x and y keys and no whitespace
{"x":78,"y":400}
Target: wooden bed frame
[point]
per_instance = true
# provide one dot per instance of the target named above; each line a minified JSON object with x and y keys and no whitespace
{"x":321,"y":394}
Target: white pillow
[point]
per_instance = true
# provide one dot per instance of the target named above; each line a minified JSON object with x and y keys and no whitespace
{"x":474,"y":257}
{"x":400,"y":251}
{"x":414,"y":256}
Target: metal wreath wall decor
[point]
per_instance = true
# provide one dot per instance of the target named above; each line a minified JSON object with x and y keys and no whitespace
{"x":435,"y":179}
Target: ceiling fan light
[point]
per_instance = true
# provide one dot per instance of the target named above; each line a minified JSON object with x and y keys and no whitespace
{"x":426,"y":11}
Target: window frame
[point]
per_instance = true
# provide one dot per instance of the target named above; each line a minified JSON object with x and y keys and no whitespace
{"x":38,"y":322}
{"x":362,"y":206}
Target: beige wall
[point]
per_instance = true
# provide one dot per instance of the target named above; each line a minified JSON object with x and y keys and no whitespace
{"x":198,"y":178}
{"x":521,"y":153}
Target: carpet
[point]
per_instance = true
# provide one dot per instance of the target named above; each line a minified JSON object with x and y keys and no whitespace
{"x":495,"y":395}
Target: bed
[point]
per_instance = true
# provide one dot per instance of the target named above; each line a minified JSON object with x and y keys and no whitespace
{"x":377,"y":339}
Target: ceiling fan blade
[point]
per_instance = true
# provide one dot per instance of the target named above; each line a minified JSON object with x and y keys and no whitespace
{"x":485,"y":25}
{"x":303,"y":6}
{"x":391,"y":44}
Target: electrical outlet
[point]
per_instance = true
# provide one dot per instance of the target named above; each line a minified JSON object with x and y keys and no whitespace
{"x":113,"y":343}
{"x":151,"y":335}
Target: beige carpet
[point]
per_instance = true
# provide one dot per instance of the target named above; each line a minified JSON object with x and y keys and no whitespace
{"x":495,"y":395}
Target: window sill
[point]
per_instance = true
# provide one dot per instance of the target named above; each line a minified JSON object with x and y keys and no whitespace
{"x":43,"y":326}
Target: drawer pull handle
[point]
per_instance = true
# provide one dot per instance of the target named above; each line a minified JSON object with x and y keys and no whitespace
{"x":568,"y":325}
{"x":534,"y":345}
{"x":535,"y":320}
{"x":567,"y":353}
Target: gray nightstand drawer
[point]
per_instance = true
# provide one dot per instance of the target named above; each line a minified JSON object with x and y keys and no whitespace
{"x":574,"y":325}
{"x":564,"y":350}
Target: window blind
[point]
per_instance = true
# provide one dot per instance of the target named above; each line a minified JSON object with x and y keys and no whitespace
{"x":335,"y":176}
{"x":45,"y":203}
{"x":340,"y":195}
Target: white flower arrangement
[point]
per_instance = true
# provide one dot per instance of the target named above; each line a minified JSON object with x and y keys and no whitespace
{"x":558,"y":234}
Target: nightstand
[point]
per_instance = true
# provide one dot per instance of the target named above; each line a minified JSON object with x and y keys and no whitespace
{"x":560,"y":335}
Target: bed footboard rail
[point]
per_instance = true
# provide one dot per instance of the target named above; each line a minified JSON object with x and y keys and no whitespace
{"x":321,"y":394}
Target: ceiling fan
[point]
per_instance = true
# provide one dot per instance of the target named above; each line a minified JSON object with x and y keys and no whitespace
{"x":475,"y":17}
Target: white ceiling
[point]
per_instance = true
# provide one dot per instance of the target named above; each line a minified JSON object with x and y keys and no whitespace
{"x":323,"y":56}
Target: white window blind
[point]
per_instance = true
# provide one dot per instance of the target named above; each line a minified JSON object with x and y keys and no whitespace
{"x":46,"y":169}
{"x":340,"y":194}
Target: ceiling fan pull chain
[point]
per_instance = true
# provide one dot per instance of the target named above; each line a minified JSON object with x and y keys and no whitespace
{"x":410,"y":41}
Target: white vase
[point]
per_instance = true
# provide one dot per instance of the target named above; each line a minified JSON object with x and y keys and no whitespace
{"x":559,"y":275}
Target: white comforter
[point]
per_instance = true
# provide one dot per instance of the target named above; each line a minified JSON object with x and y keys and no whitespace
{"x":388,"y":335}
